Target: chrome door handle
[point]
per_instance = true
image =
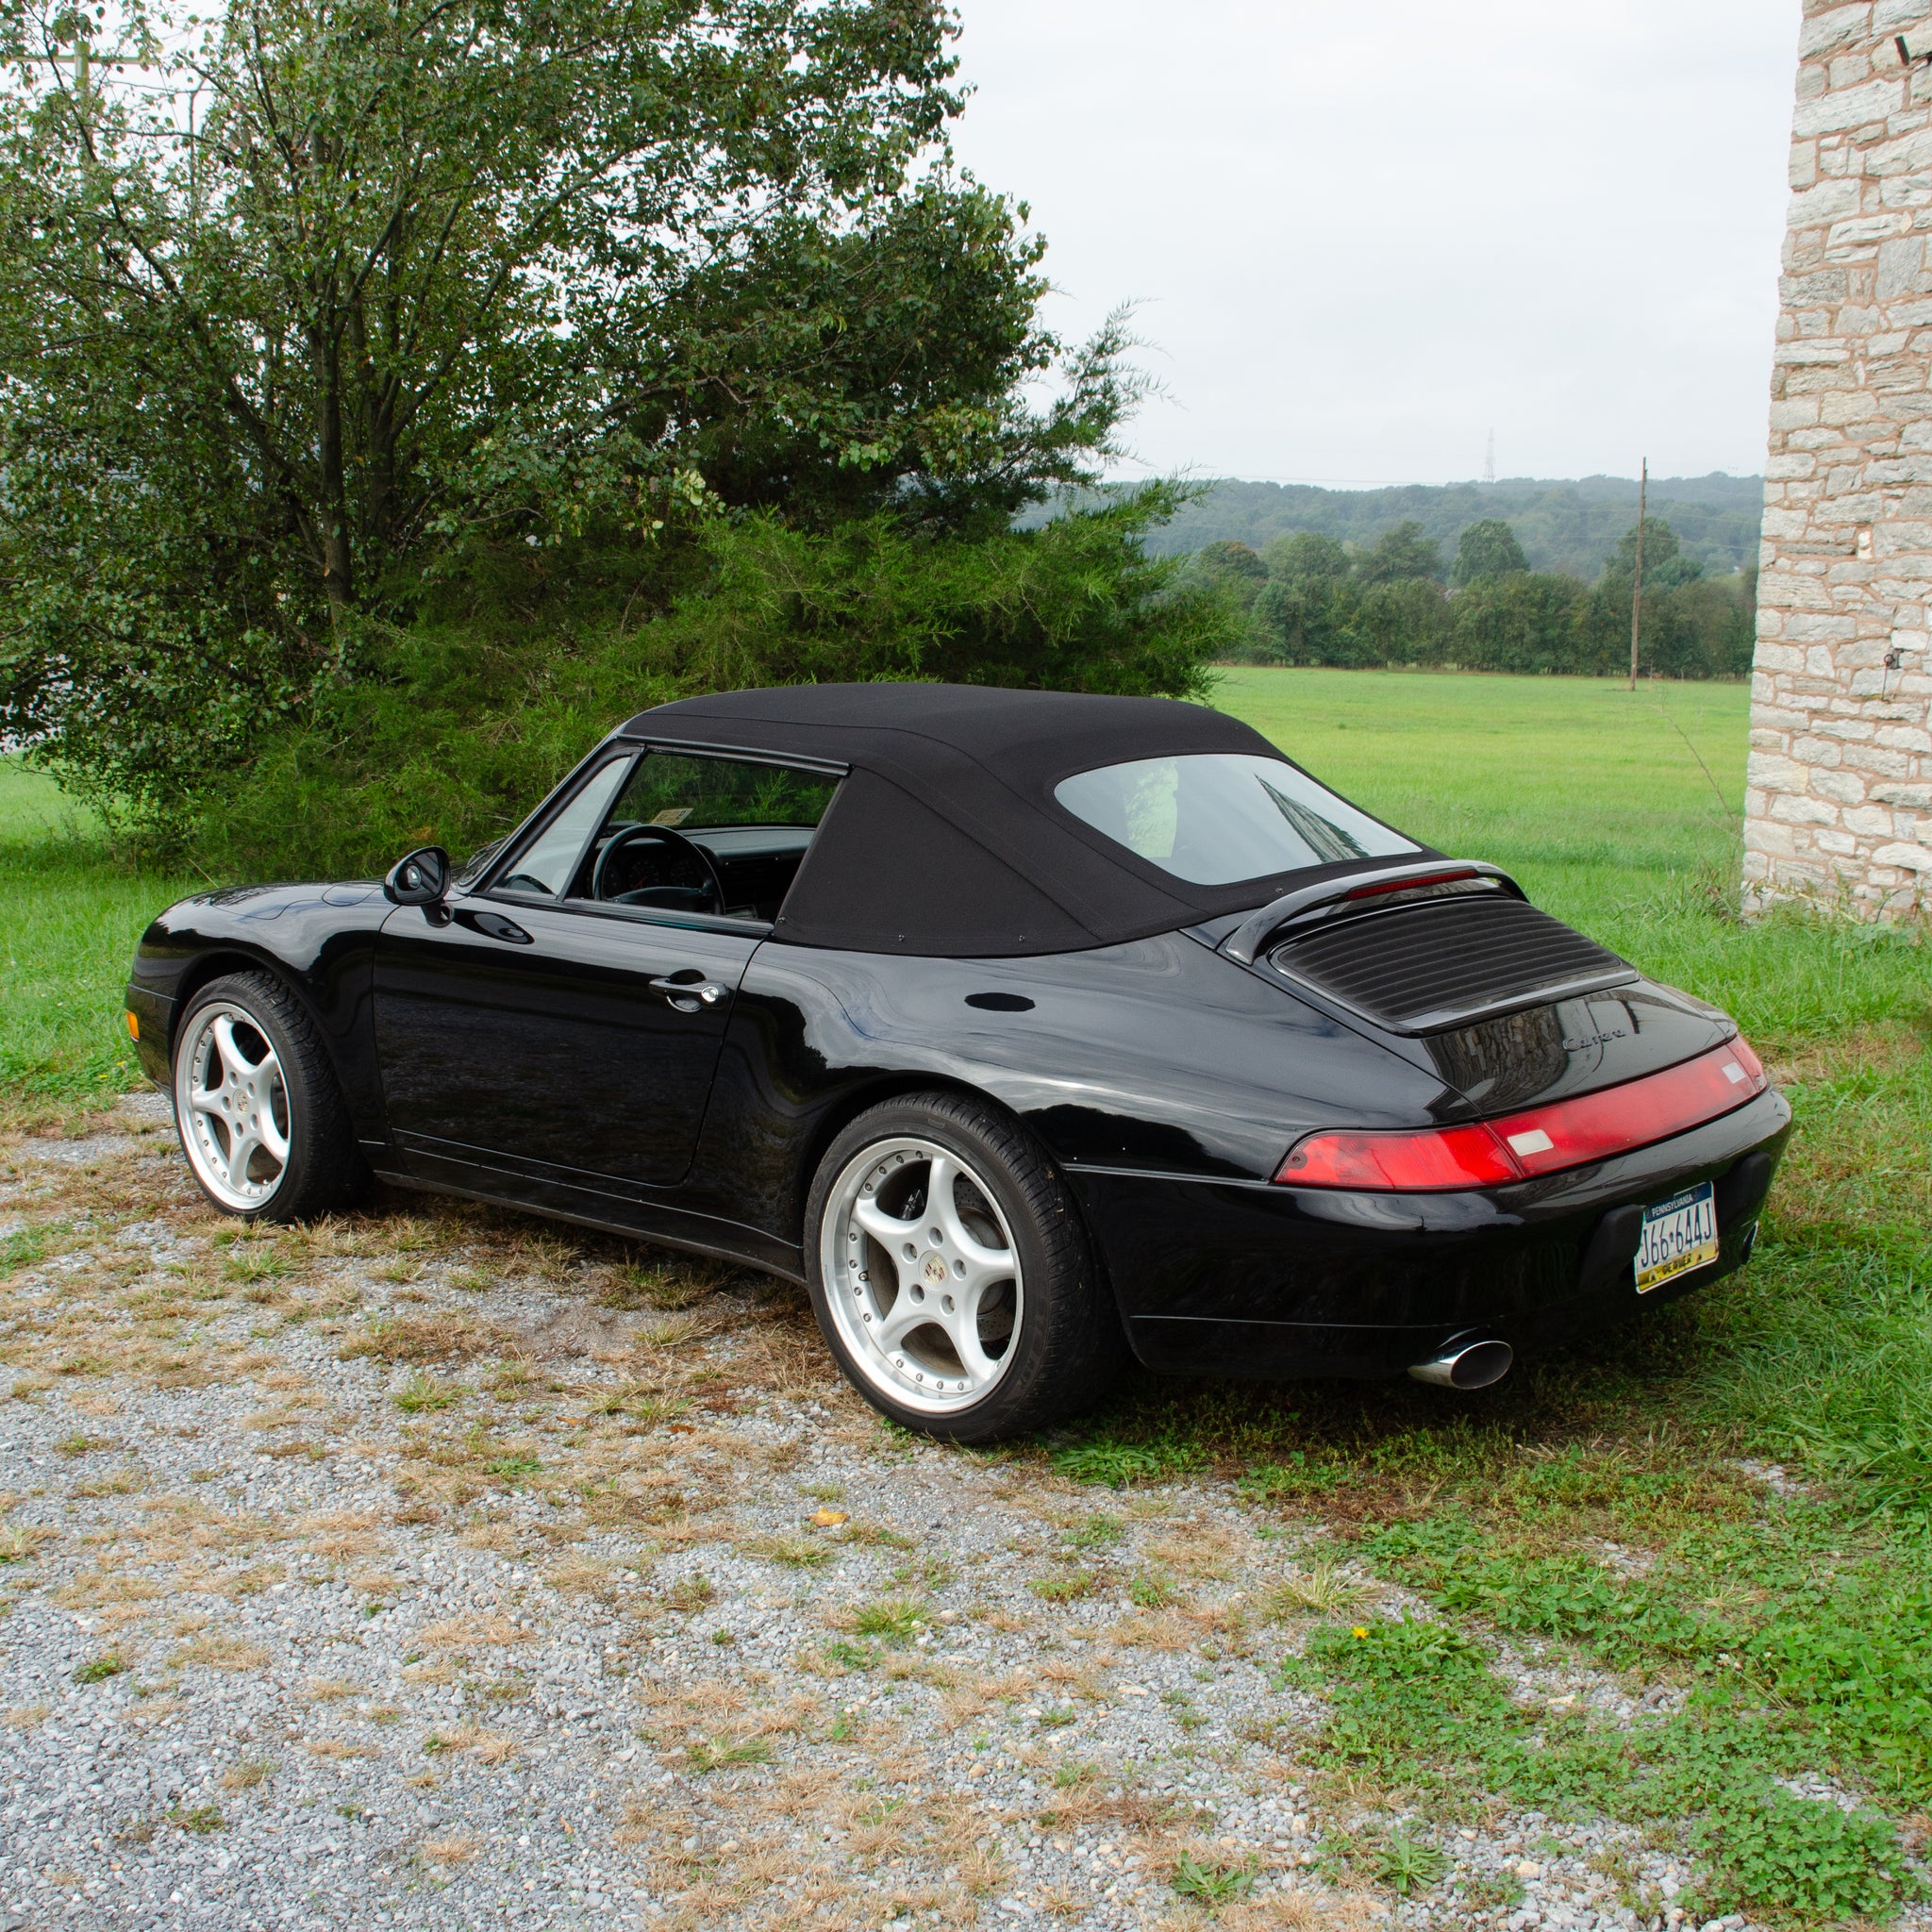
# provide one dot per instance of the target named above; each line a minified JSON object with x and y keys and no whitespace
{"x":689,"y":995}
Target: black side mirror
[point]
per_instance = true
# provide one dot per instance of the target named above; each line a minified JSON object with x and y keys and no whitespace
{"x":419,"y":878}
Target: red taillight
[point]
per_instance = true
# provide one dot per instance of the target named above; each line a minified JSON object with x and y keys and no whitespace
{"x":1408,"y":1163}
{"x":1538,"y":1141}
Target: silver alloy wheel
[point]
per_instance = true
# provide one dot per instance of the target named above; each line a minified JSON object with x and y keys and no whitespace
{"x":232,"y":1104}
{"x":921,"y":1275}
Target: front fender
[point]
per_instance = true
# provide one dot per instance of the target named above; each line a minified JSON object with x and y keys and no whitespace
{"x":318,"y":940}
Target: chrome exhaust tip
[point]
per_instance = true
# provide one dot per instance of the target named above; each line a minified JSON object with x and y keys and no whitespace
{"x":1466,"y":1362}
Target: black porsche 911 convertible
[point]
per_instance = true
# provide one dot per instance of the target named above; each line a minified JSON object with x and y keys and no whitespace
{"x":1028,"y":1030}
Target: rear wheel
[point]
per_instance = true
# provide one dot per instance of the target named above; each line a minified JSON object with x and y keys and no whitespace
{"x":951,"y":1275}
{"x":258,"y":1107}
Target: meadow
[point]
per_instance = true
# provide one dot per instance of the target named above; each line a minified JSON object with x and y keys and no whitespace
{"x":1727,"y":1505}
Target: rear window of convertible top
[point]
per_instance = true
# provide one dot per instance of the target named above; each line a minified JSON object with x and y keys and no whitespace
{"x":1215,"y":818}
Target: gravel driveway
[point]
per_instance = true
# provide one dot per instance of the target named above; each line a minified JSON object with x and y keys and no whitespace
{"x":440,"y":1568}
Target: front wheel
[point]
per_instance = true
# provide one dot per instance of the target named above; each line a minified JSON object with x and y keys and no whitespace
{"x":261,"y":1118}
{"x":951,"y":1276}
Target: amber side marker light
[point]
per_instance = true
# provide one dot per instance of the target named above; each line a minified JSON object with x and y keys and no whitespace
{"x":133,"y":1020}
{"x":1538,"y":1141}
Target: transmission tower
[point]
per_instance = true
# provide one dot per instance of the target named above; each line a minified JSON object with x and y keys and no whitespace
{"x":1490,"y":461}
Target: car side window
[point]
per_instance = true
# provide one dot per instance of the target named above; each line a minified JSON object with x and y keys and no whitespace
{"x":713,"y":836}
{"x":553,"y":857}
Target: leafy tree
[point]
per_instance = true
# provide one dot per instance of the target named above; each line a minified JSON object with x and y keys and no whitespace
{"x":1665,"y":566}
{"x":1523,"y":621}
{"x":1233,"y":569}
{"x":1401,"y":621}
{"x":303,"y":306}
{"x":1305,"y":557}
{"x":1487,"y":549}
{"x":1401,"y":556}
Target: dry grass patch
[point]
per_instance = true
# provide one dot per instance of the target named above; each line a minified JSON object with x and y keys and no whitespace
{"x":94,"y":1590}
{"x":424,"y":1339}
{"x":220,"y":1653}
{"x":464,"y":1633}
{"x":487,"y":1747}
{"x":331,"y":1689}
{"x":338,"y":1749}
{"x":21,"y":1542}
{"x":1197,"y":1549}
{"x":458,"y":1849}
{"x":245,"y":1776}
{"x":583,"y":1576}
{"x":1315,"y":1590}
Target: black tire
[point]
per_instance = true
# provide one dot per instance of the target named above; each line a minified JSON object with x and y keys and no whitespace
{"x":1066,"y":1347}
{"x":324,"y":1171}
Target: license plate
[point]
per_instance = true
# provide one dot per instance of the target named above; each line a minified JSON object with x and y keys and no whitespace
{"x":1678,"y":1235}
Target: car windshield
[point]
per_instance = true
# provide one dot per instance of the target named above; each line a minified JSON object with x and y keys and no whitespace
{"x":1214,"y":818}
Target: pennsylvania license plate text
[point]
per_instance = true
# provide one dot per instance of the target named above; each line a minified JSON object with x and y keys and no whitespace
{"x":1678,"y":1235}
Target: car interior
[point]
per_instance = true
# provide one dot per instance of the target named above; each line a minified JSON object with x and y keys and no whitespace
{"x":683,"y":833}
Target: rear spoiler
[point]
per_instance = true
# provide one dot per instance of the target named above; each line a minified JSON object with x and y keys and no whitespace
{"x":1358,"y":890}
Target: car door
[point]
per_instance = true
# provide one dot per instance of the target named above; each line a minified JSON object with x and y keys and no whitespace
{"x":552,"y":1039}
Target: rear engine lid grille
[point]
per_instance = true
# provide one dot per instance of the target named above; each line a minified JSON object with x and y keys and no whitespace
{"x":1420,"y":968}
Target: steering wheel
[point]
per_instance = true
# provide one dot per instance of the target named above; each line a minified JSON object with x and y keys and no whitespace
{"x":709,"y":897}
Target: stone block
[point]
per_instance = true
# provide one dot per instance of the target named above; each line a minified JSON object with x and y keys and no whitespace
{"x":1869,"y":821}
{"x":1840,"y":844}
{"x":1905,"y":738}
{"x":1817,"y":627}
{"x":1792,"y":808}
{"x":1878,"y":760}
{"x":1813,"y":751}
{"x":1812,"y":352}
{"x":1867,"y":231}
{"x":1771,"y":656}
{"x":1819,"y":661}
{"x":1828,"y":201}
{"x":1904,"y":154}
{"x":1912,"y":797}
{"x":1774,"y":772}
{"x":1763,"y":835}
{"x":1841,"y":788}
{"x":1907,"y":858}
{"x":1828,"y":28}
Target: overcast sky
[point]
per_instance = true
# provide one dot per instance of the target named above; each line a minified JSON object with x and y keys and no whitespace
{"x":1361,"y":236}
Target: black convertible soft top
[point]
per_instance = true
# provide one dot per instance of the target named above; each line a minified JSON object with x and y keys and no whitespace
{"x":945,"y":839}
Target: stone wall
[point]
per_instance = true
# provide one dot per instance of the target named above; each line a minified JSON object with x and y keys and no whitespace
{"x":1838,"y":804}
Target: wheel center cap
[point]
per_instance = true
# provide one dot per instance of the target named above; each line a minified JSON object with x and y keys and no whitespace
{"x":935,"y":1269}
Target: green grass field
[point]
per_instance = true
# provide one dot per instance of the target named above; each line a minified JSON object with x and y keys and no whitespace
{"x":1791,"y":1620}
{"x":76,"y":912}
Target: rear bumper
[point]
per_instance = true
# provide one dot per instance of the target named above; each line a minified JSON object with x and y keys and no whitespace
{"x":1249,"y":1278}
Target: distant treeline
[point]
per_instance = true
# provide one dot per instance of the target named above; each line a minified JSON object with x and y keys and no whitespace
{"x":1311,"y":599}
{"x":1569,"y":527}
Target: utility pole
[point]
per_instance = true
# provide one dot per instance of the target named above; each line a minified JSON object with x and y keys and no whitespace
{"x":1637,"y":586}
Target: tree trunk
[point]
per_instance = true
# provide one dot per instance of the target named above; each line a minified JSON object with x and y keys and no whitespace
{"x":338,"y":558}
